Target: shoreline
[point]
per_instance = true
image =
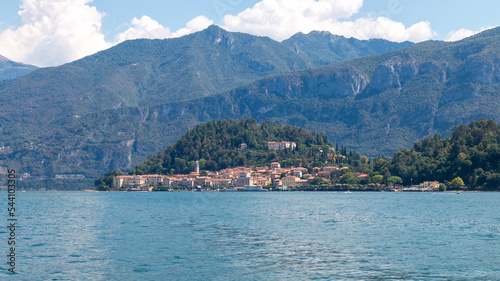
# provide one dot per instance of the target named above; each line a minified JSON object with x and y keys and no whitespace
{"x":347,"y":190}
{"x":294,"y":190}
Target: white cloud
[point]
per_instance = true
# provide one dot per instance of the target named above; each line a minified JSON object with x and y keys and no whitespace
{"x":197,"y":24}
{"x":146,"y":27}
{"x":54,"y":32}
{"x":280,"y":19}
{"x":382,"y":27}
{"x":463,"y":33}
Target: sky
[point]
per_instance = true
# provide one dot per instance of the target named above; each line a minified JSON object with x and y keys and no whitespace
{"x":53,"y":32}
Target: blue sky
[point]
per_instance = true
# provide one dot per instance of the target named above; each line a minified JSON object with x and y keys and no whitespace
{"x":53,"y":32}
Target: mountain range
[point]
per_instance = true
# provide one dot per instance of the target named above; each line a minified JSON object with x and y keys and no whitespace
{"x":113,"y":109}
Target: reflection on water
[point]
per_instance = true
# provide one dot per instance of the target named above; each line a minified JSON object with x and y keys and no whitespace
{"x":255,"y":236}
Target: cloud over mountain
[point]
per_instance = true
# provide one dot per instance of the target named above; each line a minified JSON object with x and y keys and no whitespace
{"x":457,"y":35}
{"x":146,"y":27}
{"x":280,"y":19}
{"x":54,"y":32}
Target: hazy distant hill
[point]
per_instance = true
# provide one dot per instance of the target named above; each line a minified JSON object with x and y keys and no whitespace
{"x":324,"y":48}
{"x":126,"y":109}
{"x":11,"y":69}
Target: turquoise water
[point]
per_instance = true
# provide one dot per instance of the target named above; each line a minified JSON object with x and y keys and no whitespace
{"x":255,"y":236}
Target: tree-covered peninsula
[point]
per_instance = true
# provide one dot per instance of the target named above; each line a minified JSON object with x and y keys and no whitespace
{"x":224,"y":144}
{"x":469,"y":158}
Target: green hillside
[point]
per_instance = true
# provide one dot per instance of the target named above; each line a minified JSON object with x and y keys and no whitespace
{"x":380,"y":104}
{"x":216,"y":145}
{"x":472,"y":153}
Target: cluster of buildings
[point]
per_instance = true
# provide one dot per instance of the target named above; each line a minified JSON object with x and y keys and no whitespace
{"x":236,"y":177}
{"x":239,"y":177}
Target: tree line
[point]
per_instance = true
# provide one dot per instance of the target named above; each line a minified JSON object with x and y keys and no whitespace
{"x":472,"y":153}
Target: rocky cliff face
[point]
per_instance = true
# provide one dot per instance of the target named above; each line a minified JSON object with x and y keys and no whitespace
{"x":481,"y":69}
{"x":397,"y":71}
{"x":340,"y":83}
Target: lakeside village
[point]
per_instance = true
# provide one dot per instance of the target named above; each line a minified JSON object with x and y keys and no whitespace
{"x":267,"y":178}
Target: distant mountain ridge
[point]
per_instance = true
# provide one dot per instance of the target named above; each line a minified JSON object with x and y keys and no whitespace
{"x":375,"y":105}
{"x":10,"y":69}
{"x":324,"y":48}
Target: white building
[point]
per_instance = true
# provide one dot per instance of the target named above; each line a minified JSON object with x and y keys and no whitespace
{"x":282,"y":145}
{"x":244,"y":179}
{"x":139,"y":180}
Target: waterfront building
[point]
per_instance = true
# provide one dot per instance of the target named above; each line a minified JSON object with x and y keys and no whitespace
{"x":203,"y":181}
{"x":290,"y":181}
{"x":188,"y":182}
{"x":120,"y":181}
{"x":244,"y":179}
{"x":431,"y":184}
{"x":261,"y":181}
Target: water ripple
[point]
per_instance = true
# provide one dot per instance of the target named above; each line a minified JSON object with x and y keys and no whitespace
{"x":265,"y":236}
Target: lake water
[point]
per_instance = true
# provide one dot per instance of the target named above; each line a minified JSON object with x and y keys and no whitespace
{"x":255,"y":236}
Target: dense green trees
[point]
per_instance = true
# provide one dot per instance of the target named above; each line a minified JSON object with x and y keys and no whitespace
{"x":471,"y":154}
{"x":216,"y":145}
